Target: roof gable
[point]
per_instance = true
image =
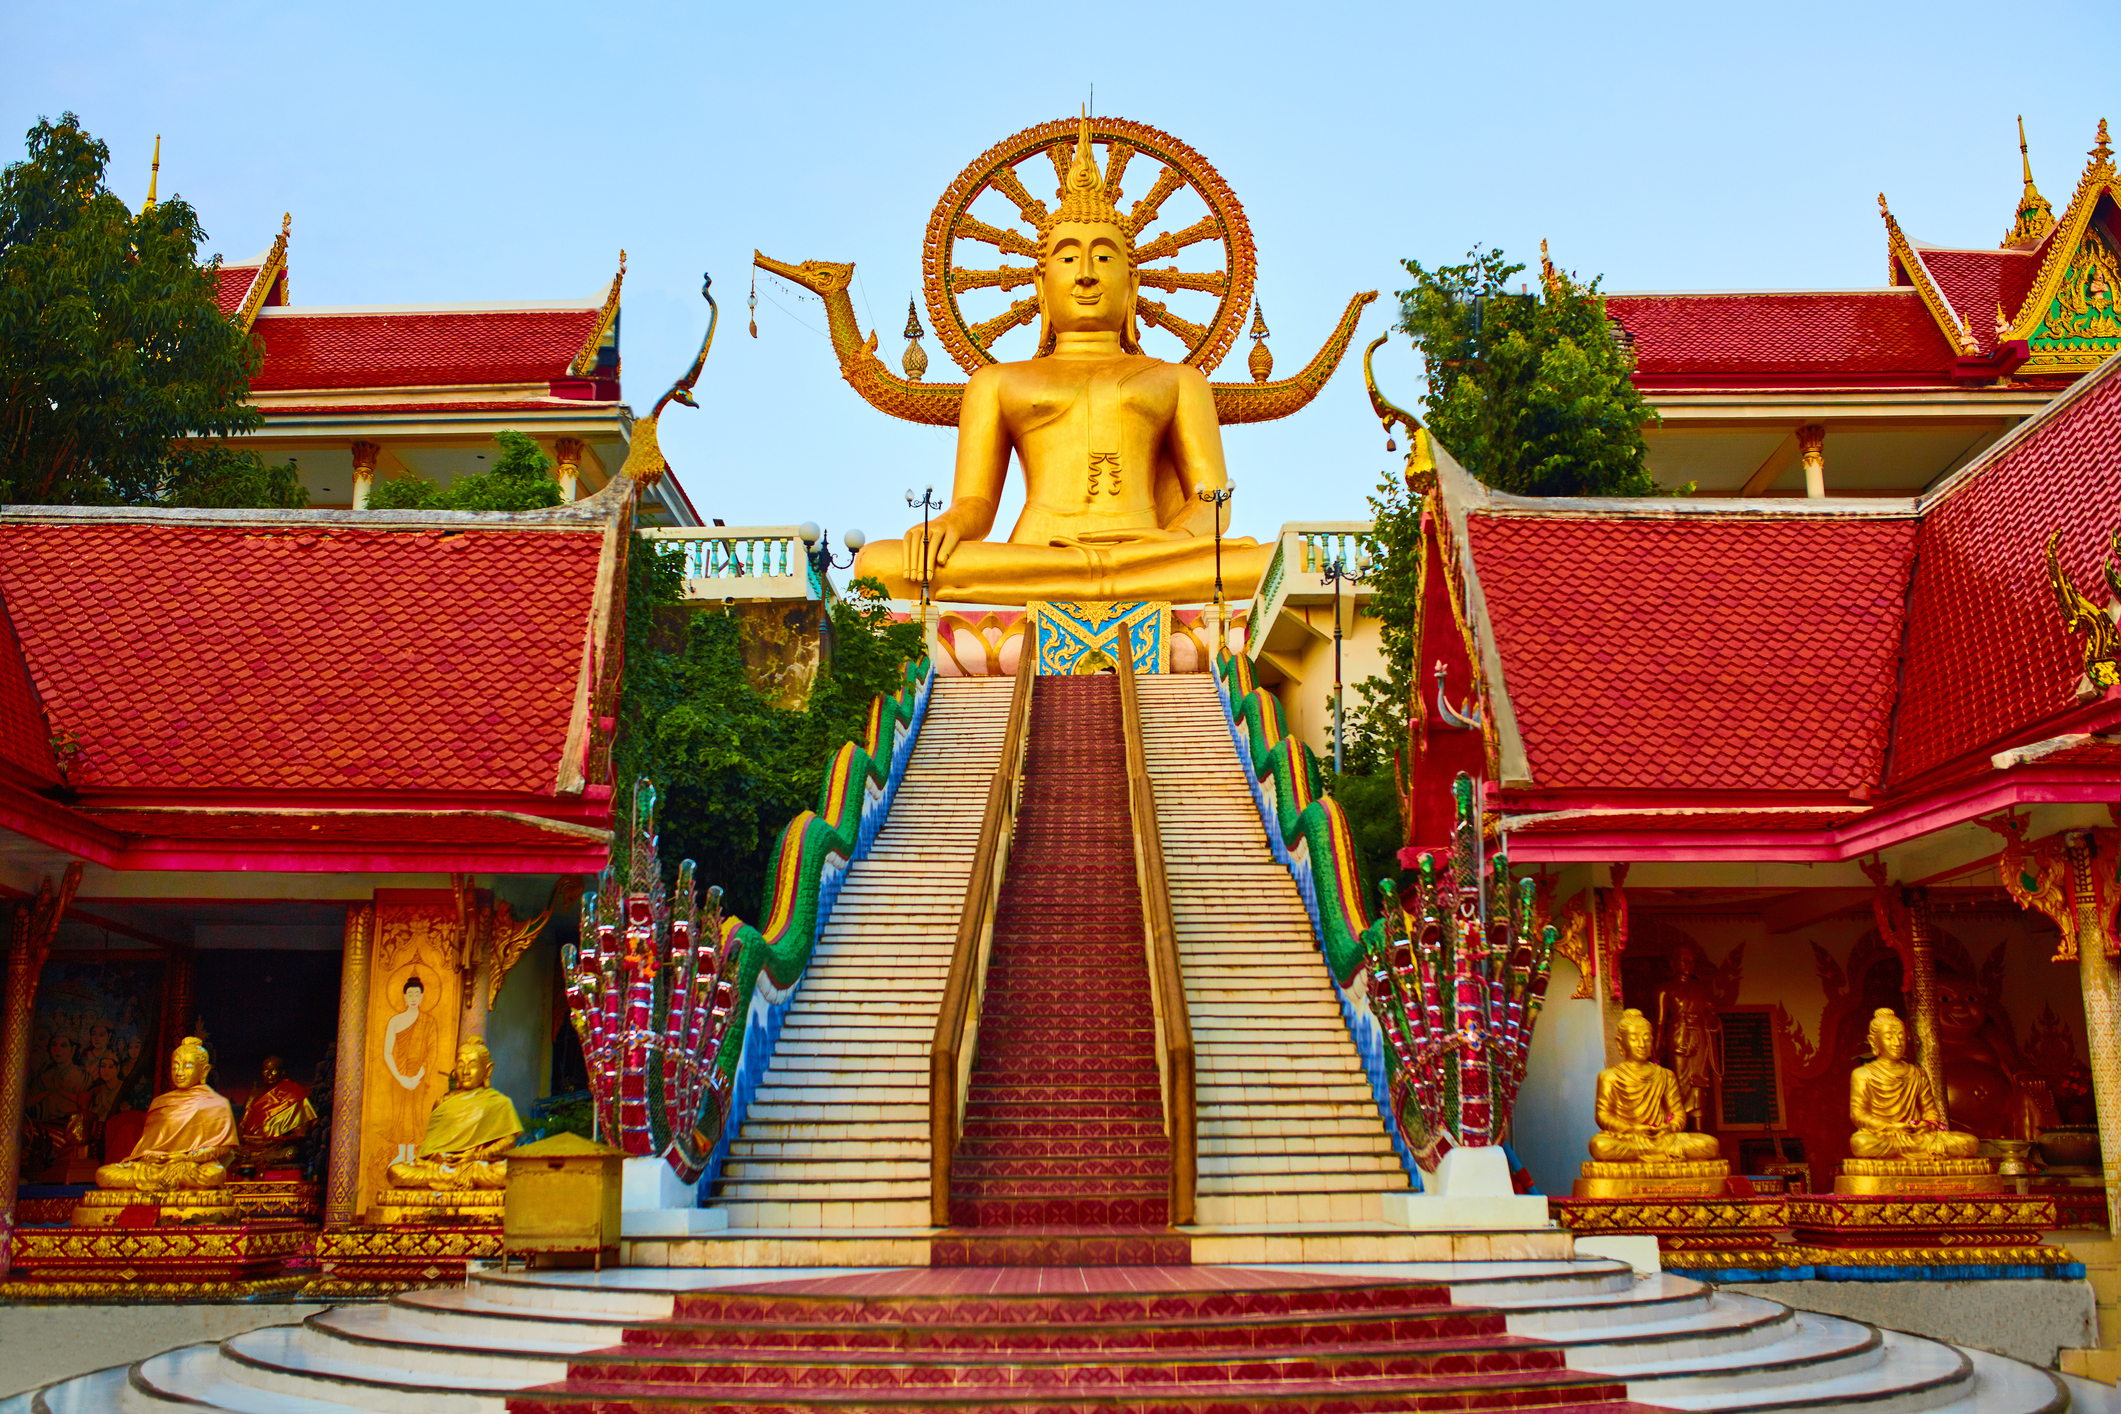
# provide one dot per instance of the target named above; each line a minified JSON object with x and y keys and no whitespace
{"x":2069,"y":318}
{"x":25,"y":735}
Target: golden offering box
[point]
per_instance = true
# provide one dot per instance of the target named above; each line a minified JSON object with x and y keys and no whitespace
{"x":564,"y":1195}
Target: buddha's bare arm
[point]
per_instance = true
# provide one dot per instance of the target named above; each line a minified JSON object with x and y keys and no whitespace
{"x":982,"y":465}
{"x":1196,"y":443}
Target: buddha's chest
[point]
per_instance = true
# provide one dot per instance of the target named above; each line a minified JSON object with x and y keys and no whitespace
{"x":1109,"y":406}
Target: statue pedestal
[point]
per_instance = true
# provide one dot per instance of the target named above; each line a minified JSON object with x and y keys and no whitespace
{"x":1712,"y":1236}
{"x":129,"y":1208}
{"x":1653,"y":1179}
{"x":288,"y":1199}
{"x":1917,"y":1177}
{"x":187,"y":1261}
{"x":422,"y":1207}
{"x":1850,"y":1233}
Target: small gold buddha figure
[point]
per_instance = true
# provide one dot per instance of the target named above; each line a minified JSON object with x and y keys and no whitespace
{"x":467,"y":1131}
{"x":1643,"y":1146}
{"x":190,"y":1132}
{"x":275,"y":1120}
{"x":1115,"y":446}
{"x":1893,"y":1107}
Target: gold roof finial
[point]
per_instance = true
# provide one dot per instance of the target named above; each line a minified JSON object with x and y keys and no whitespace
{"x":2102,"y":150}
{"x":1083,"y":197}
{"x":2035,"y":218}
{"x":154,"y":175}
{"x":1549,"y":277}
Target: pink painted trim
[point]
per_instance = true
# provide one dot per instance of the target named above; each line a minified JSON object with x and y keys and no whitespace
{"x":2021,"y":785}
{"x":447,"y":859}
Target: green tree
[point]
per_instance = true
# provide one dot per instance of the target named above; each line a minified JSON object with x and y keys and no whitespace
{"x":117,"y":367}
{"x":731,"y":768}
{"x":1531,"y":393}
{"x":519,"y":480}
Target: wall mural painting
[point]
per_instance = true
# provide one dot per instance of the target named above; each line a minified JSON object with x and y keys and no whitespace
{"x":93,"y":1044}
{"x":414,"y":1009}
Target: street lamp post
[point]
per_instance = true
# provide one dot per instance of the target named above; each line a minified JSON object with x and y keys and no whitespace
{"x":1219,"y":499}
{"x":924,"y":503}
{"x":1336,"y":574}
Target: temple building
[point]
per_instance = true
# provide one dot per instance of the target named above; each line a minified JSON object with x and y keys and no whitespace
{"x":1881,"y":391}
{"x":354,"y":393}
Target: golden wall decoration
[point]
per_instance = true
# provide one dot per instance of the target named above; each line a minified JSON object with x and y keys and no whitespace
{"x":415,"y":1008}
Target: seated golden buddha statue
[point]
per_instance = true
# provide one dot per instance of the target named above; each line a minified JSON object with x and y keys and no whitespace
{"x":1115,"y":447}
{"x":275,"y":1120}
{"x":1893,"y":1107}
{"x":190,"y":1132}
{"x":467,"y":1131}
{"x":1642,"y":1145}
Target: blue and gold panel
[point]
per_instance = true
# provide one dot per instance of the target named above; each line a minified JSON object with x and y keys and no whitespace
{"x":1087,"y":638}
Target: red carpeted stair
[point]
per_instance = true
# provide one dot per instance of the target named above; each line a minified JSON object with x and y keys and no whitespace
{"x":1053,"y":1339}
{"x":1064,"y":1118}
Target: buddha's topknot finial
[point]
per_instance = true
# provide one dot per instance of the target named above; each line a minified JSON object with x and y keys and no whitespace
{"x":1083,"y":197}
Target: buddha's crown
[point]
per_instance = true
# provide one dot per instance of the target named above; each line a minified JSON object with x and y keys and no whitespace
{"x":1083,"y":199}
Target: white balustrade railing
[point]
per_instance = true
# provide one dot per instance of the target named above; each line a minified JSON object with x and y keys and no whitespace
{"x":743,"y":561}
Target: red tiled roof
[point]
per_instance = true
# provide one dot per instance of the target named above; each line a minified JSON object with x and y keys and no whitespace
{"x":1987,"y":653}
{"x":231,"y":284}
{"x":306,"y":658}
{"x":1974,"y":281}
{"x":1710,"y":653}
{"x":1863,"y":336}
{"x":25,"y":738}
{"x":418,"y":350}
{"x":393,"y":827}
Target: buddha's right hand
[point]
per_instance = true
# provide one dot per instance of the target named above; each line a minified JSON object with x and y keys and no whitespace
{"x":965,"y":520}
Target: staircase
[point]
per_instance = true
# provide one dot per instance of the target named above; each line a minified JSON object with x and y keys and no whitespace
{"x":837,"y":1135}
{"x":1289,"y":1128}
{"x":1064,"y":1116}
{"x":1468,"y":1336}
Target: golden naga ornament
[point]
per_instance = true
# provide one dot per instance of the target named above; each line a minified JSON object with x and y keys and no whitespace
{"x":1186,"y":215}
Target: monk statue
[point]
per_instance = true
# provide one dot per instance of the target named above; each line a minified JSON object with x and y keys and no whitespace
{"x":1641,"y":1115}
{"x":467,"y":1131}
{"x":276,"y":1119}
{"x":190,"y":1132}
{"x":1691,"y":1032}
{"x":1115,"y":445}
{"x":1892,"y":1106}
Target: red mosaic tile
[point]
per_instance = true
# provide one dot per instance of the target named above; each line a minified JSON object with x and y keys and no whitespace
{"x":1859,"y":336}
{"x":418,"y":349}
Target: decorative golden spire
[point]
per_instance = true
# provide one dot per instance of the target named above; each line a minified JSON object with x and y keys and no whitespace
{"x":2102,"y":153}
{"x":915,"y":361}
{"x":1261,"y":360}
{"x":1549,"y":277}
{"x":1082,"y":196}
{"x":2035,"y":217}
{"x":154,"y":175}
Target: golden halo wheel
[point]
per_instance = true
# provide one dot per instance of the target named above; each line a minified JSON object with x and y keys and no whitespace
{"x":1194,"y":216}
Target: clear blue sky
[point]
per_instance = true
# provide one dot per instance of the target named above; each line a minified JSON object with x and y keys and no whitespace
{"x":456,"y":152}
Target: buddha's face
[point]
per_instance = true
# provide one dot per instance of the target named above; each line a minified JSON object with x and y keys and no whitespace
{"x":269,"y":1073}
{"x":1959,"y":1013}
{"x":474,"y":1067}
{"x":187,"y":1068}
{"x":1085,"y":280}
{"x":1889,"y":1038}
{"x":1635,"y":1039}
{"x":1685,"y":962}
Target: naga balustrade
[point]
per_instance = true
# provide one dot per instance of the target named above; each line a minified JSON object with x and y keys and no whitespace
{"x":957,"y":1020}
{"x":678,"y":1006}
{"x":1167,"y":978}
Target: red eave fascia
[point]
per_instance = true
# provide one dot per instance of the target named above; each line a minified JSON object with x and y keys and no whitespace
{"x":592,"y":807}
{"x":49,"y":823}
{"x":558,"y":858}
{"x":1889,"y":825}
{"x":1774,"y":380}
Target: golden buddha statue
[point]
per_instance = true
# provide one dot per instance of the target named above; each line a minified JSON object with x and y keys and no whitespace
{"x":1115,"y":445}
{"x":1901,"y":1144}
{"x":467,"y":1131}
{"x":190,"y":1132}
{"x":1692,"y":1032}
{"x":275,"y":1120}
{"x":1892,"y":1106}
{"x":1643,"y":1145}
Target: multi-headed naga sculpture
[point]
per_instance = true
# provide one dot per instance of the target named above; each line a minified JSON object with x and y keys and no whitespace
{"x":1458,"y":987}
